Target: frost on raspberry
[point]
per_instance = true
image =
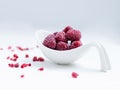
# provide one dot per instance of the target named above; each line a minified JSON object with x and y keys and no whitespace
{"x":50,"y":41}
{"x":60,"y":36}
{"x":62,"y":46}
{"x":73,"y":35}
{"x":75,"y":75}
{"x":75,"y":44}
{"x":67,"y":29}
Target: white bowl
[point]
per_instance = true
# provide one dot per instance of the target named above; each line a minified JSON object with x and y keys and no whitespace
{"x":69,"y":56}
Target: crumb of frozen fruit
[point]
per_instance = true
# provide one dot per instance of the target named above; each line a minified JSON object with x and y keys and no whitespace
{"x":41,"y":69}
{"x":75,"y":75}
{"x":22,"y":76}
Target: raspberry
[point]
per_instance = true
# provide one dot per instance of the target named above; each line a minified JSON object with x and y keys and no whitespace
{"x":67,"y":29}
{"x":62,"y":46}
{"x":60,"y":36}
{"x":35,"y":58}
{"x":41,"y":59}
{"x":27,"y":56}
{"x":50,"y":41}
{"x":41,"y":69}
{"x":22,"y":76}
{"x":16,"y":65}
{"x":75,"y":44}
{"x":73,"y":35}
{"x":75,"y":75}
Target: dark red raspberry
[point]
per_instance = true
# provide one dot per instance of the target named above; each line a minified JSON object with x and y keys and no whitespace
{"x":11,"y":65}
{"x":67,"y":29}
{"x":50,"y":41}
{"x":27,"y":56}
{"x":75,"y":75}
{"x":16,"y":65}
{"x":62,"y":46}
{"x":60,"y":36}
{"x":35,"y":58}
{"x":73,"y":35}
{"x":41,"y":69}
{"x":22,"y":76}
{"x":75,"y":44}
{"x":41,"y":59}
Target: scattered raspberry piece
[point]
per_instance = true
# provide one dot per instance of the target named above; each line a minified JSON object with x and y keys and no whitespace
{"x":22,"y":76}
{"x":16,"y":65}
{"x":11,"y":65}
{"x":75,"y":75}
{"x":75,"y":44}
{"x":62,"y":46}
{"x":35,"y":58}
{"x":73,"y":35}
{"x":50,"y":41}
{"x":15,"y":55}
{"x":8,"y":57}
{"x":29,"y":64}
{"x":60,"y":36}
{"x":41,"y":69}
{"x":9,"y":47}
{"x":27,"y":56}
{"x":22,"y":49}
{"x":1,"y":48}
{"x":67,"y":29}
{"x":41,"y":59}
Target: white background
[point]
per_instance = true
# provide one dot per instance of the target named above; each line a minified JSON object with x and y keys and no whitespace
{"x":98,"y":20}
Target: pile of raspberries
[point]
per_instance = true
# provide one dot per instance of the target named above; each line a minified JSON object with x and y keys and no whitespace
{"x":66,"y":39}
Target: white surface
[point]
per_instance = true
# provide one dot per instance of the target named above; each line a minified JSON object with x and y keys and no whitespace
{"x":56,"y":77}
{"x":98,"y":20}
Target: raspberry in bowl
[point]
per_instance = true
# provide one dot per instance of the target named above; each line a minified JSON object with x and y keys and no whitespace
{"x":65,"y":47}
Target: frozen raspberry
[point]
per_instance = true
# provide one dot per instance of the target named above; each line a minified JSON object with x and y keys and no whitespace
{"x":75,"y":44}
{"x":75,"y":75}
{"x":67,"y":29}
{"x":41,"y":59}
{"x":62,"y":46}
{"x":60,"y":36}
{"x":73,"y":35}
{"x":50,"y":41}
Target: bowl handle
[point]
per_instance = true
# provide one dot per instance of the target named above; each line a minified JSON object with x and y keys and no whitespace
{"x":104,"y":59}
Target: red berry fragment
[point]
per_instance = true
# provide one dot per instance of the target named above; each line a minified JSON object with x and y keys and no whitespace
{"x":73,"y":35}
{"x":22,"y":49}
{"x":67,"y":29}
{"x":15,"y":55}
{"x":11,"y":65}
{"x":50,"y":41}
{"x":62,"y":46}
{"x":9,"y":47}
{"x":75,"y":44}
{"x":16,"y":65}
{"x":41,"y":69}
{"x":75,"y":75}
{"x":35,"y":58}
{"x":27,"y":56}
{"x":60,"y":36}
{"x":8,"y":57}
{"x":1,"y":48}
{"x":22,"y":76}
{"x":25,"y":65}
{"x":41,"y":59}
